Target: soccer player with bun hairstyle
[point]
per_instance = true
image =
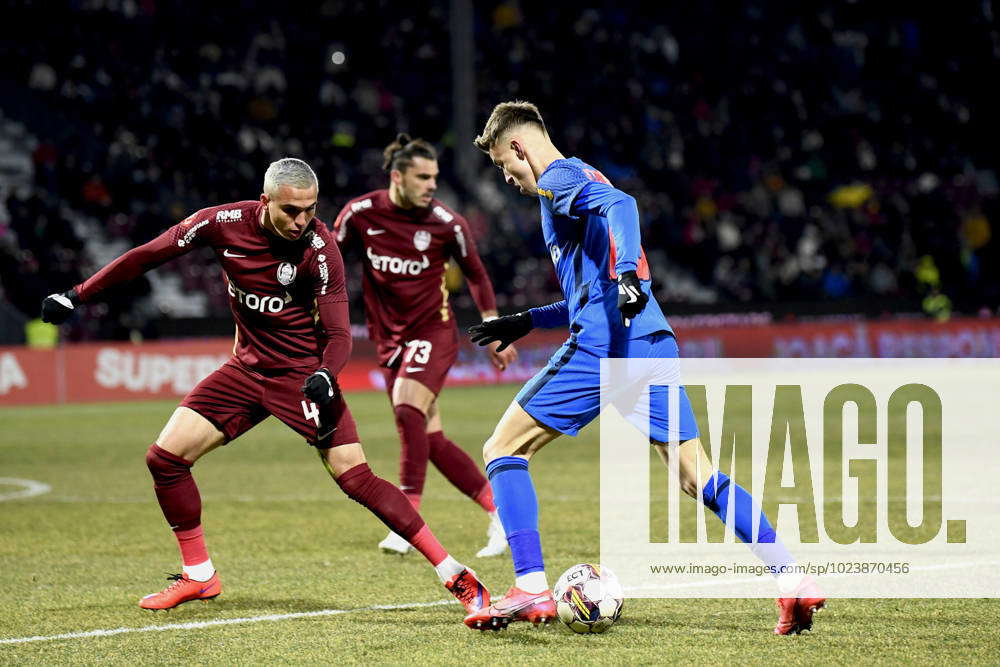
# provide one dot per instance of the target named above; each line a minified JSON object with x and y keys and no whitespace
{"x":285,"y":278}
{"x":407,"y":238}
{"x":592,"y":231}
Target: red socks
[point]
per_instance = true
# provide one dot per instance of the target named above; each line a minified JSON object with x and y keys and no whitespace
{"x":179,"y":500}
{"x":459,"y":469}
{"x":192,"y":544}
{"x":391,"y":506}
{"x":412,"y":427}
{"x":419,"y":446}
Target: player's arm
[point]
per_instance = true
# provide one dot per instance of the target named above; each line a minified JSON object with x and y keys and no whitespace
{"x":342,"y":227}
{"x":551,"y":316}
{"x":622,"y":214}
{"x":463,"y":249}
{"x":505,"y":330}
{"x":57,"y":308}
{"x":330,"y":292}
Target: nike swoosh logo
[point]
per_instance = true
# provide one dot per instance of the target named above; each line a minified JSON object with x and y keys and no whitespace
{"x":227,"y":253}
{"x":414,"y":369}
{"x":375,"y":232}
{"x":514,"y":608}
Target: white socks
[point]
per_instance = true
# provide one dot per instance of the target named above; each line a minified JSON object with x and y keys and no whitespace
{"x":533,"y":582}
{"x":448,"y":568}
{"x":788,"y":582}
{"x":201,"y":571}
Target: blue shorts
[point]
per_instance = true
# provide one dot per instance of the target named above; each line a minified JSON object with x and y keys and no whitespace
{"x":566,"y":394}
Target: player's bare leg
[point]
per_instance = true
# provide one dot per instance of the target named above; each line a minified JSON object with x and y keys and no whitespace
{"x":465,"y":475}
{"x":346,"y":464}
{"x":802,"y":597}
{"x":186,"y":437}
{"x":516,"y":438}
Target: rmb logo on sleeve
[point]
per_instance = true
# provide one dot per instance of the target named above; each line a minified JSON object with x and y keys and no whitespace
{"x":230,"y":215}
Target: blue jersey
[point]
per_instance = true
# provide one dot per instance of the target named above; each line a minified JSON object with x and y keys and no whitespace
{"x":592,"y":233}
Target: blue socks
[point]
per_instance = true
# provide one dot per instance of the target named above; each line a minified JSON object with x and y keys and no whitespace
{"x":517,"y":505}
{"x":767,"y":547}
{"x":716,"y":497}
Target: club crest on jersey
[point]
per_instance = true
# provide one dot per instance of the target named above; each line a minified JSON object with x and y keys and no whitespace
{"x":422,"y":240}
{"x":286,"y":273}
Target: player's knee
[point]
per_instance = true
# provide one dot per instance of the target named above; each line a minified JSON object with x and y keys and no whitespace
{"x":357,"y":481}
{"x":690,"y":487}
{"x":166,"y":468}
{"x":494,"y":448}
{"x":410,"y":415}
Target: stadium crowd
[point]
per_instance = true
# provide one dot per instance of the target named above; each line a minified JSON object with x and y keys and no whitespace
{"x":778,"y":153}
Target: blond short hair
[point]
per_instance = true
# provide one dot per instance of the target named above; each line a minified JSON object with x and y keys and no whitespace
{"x":506,"y":116}
{"x":289,"y":171}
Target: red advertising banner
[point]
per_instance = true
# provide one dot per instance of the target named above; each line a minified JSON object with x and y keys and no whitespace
{"x":122,"y":371}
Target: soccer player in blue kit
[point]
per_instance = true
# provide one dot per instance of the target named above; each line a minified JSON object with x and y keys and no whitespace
{"x":592,"y":232}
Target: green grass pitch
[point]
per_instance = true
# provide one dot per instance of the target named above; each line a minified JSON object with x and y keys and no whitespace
{"x":287,"y":541}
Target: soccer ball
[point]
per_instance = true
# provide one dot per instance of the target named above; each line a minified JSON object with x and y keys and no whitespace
{"x":588,"y":598}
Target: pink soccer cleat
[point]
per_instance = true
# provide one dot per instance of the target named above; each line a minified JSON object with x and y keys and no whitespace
{"x":517,"y":605}
{"x":795,"y":614}
{"x":469,"y":590}
{"x":181,"y":591}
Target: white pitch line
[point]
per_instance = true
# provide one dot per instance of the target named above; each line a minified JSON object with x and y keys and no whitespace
{"x":223,"y":621}
{"x":382,"y":607}
{"x":29,"y":488}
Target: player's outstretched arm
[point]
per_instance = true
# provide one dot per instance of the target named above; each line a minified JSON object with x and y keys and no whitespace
{"x":57,"y":308}
{"x":504,"y":330}
{"x":551,"y":316}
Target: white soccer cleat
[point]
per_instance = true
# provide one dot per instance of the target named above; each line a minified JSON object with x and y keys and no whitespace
{"x":497,"y":544}
{"x":394,"y":544}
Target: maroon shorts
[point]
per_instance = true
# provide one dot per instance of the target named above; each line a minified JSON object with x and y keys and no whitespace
{"x":426,"y":358}
{"x":236,"y":399}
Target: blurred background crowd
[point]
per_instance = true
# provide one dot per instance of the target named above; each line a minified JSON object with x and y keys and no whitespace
{"x":794,"y":160}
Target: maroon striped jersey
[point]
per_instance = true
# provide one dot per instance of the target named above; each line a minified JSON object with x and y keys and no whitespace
{"x":405,"y":252}
{"x":287,"y":297}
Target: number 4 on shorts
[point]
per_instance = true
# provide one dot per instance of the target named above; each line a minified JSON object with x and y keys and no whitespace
{"x":311,"y":411}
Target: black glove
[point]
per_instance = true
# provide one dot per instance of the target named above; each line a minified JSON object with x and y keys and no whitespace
{"x":631,"y":298}
{"x":320,"y":387}
{"x":505,"y":329}
{"x":57,"y":308}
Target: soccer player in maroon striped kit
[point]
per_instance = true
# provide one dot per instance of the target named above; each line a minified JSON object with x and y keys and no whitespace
{"x":285,"y":278}
{"x":407,"y":237}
